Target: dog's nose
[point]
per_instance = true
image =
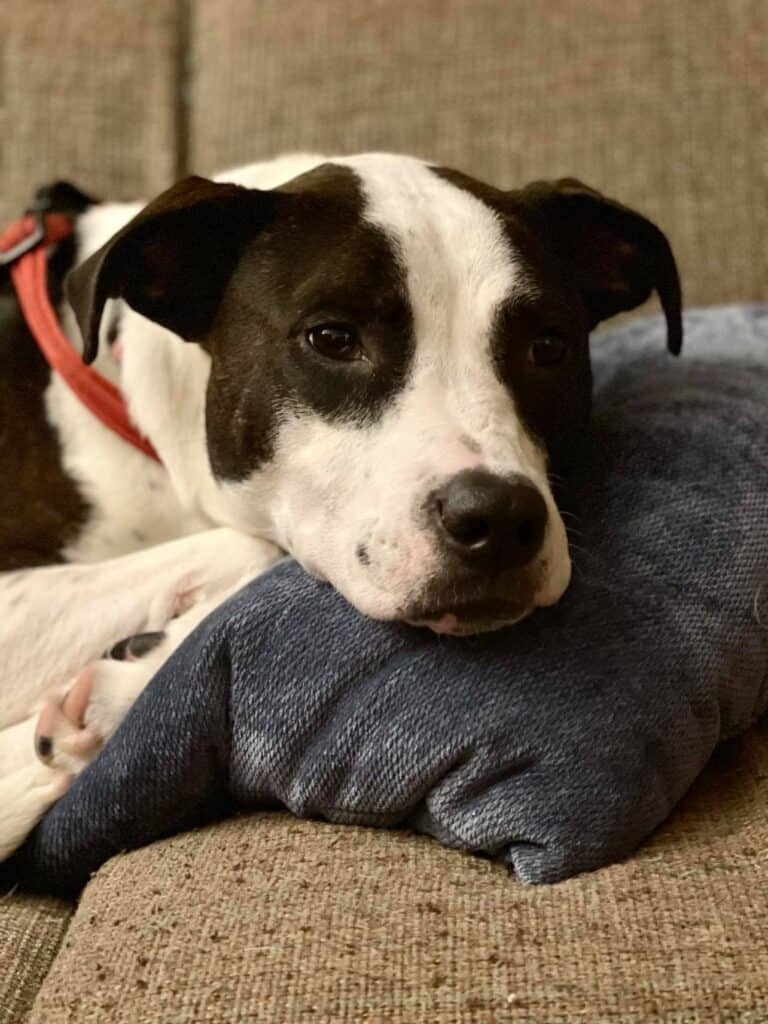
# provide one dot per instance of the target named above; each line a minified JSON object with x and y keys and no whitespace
{"x":490,"y":521}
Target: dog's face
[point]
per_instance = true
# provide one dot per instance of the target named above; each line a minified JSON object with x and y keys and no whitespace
{"x":395,"y":349}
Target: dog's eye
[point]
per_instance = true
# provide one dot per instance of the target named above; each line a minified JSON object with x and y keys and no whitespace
{"x":335,"y":341}
{"x":548,"y":350}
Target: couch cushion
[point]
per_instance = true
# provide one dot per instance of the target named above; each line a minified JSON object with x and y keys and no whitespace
{"x":31,"y":929}
{"x":88,"y":93}
{"x":661,"y":103}
{"x":271,"y":919}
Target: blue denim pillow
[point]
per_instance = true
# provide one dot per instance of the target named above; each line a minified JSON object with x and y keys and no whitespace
{"x":557,"y":745}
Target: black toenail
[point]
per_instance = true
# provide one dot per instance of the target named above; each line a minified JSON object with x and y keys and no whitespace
{"x":44,"y":746}
{"x":134,"y":647}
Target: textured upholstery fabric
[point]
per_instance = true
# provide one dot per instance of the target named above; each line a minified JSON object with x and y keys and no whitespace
{"x":557,"y":745}
{"x":31,"y":929}
{"x":89,"y":93}
{"x":663,"y":104}
{"x":273,"y":920}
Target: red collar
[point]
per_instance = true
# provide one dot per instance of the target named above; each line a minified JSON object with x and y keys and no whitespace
{"x":23,"y":246}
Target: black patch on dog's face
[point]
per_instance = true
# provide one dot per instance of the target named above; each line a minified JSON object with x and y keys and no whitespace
{"x":247,"y":274}
{"x":552,"y":401}
{"x":580,"y":258}
{"x":316,"y":262}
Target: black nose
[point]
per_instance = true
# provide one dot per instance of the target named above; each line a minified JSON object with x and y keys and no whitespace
{"x":490,"y":521}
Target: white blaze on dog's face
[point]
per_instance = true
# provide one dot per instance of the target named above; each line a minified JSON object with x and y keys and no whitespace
{"x":395,"y":351}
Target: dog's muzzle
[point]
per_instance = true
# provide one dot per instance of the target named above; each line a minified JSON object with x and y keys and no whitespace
{"x":490,"y":530}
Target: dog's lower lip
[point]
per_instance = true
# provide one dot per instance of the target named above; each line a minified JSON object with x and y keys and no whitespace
{"x":470,"y":617}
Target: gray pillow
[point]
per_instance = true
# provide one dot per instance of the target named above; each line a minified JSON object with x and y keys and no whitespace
{"x":556,"y":745}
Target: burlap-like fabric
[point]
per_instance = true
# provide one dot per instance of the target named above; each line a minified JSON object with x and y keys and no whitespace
{"x":270,"y":919}
{"x":31,"y":929}
{"x":663,"y":104}
{"x":89,"y":93}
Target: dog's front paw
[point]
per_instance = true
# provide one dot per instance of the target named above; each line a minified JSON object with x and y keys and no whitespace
{"x":63,"y":740}
{"x":72,"y":729}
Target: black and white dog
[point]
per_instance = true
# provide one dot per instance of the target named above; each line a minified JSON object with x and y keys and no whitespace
{"x":385,"y":353}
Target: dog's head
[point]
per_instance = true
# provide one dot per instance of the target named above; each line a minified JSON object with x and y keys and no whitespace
{"x":395,"y":348}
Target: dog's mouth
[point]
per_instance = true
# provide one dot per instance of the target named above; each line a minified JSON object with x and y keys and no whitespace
{"x":469,"y":618}
{"x":465,"y":607}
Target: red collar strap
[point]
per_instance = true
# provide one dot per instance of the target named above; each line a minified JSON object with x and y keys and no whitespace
{"x":23,"y":247}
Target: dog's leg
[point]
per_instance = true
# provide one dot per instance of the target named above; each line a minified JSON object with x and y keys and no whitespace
{"x":15,"y":743}
{"x":25,"y":796}
{"x":196,"y":573}
{"x":55,"y":620}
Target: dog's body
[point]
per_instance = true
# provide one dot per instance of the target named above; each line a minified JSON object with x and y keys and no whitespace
{"x":388,"y":353}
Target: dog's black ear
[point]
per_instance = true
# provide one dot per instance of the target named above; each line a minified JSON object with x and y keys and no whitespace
{"x":172,"y":261}
{"x":616,"y":256}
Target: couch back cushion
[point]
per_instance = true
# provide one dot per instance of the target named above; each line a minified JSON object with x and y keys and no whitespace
{"x":662,"y":104}
{"x":88,"y":92}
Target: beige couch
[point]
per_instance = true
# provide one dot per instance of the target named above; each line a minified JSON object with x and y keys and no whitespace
{"x":665,"y":104}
